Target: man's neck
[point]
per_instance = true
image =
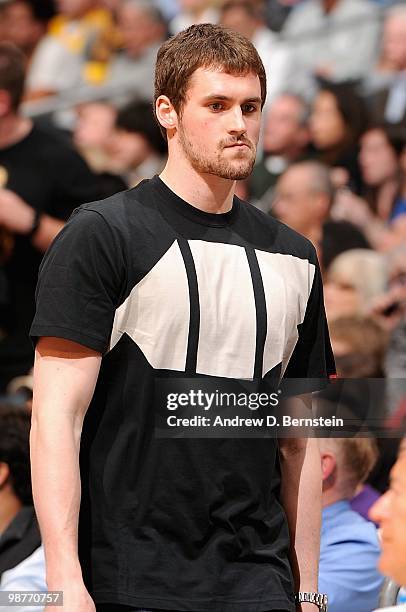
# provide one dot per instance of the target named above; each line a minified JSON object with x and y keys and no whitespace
{"x":9,"y":508}
{"x":13,"y":128}
{"x":331,"y":497}
{"x":314,"y":233}
{"x":203,"y":191}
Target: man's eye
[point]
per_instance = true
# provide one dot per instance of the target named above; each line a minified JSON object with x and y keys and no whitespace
{"x":249,"y":108}
{"x":216,"y":106}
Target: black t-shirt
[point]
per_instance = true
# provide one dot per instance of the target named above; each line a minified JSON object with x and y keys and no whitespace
{"x":50,"y":176}
{"x":164,"y":289}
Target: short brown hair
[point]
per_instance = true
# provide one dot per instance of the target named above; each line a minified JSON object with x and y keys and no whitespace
{"x":359,"y":456}
{"x":12,"y":72}
{"x":355,"y":458}
{"x":203,"y":46}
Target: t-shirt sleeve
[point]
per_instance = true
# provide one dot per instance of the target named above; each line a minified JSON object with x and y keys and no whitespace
{"x":81,"y":282}
{"x":312,"y":357}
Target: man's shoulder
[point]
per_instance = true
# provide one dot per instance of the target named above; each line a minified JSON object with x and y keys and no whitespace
{"x":285,"y":239}
{"x":354,"y":526}
{"x":121,"y":208}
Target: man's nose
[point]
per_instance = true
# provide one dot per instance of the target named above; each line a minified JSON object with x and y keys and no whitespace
{"x":380,"y":510}
{"x":237,"y":122}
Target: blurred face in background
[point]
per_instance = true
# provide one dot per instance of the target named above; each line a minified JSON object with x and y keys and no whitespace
{"x":128,"y":150}
{"x":237,"y":19}
{"x":74,"y":8}
{"x":327,"y":125}
{"x":390,"y":513}
{"x":394,"y":41}
{"x":341,"y":297}
{"x":377,"y":158}
{"x":20,"y":26}
{"x":193,"y":5}
{"x":138,"y":29}
{"x":284,"y":131}
{"x":94,"y":126}
{"x":297,"y":202}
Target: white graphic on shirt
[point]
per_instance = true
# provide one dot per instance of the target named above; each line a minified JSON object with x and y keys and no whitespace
{"x":156,"y":314}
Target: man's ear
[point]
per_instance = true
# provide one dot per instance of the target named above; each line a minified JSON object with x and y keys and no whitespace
{"x":4,"y":473}
{"x":328,"y":465}
{"x":166,"y":114}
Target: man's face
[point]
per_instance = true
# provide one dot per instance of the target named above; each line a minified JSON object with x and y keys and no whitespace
{"x":137,"y":29}
{"x":282,"y":128}
{"x":218,"y":128}
{"x":390,"y":512}
{"x":295,"y":199}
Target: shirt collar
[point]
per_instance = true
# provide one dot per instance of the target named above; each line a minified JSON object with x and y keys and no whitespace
{"x":18,"y":526}
{"x":334,"y":509}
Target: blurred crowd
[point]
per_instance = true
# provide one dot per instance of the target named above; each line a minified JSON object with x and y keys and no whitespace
{"x":76,"y":124}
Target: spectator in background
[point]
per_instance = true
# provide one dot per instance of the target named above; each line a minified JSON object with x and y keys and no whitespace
{"x":336,"y":123}
{"x":381,"y":149}
{"x":93,"y":130}
{"x":303,"y":198}
{"x":25,"y":23}
{"x":285,"y":140}
{"x":277,"y":11}
{"x":137,"y":148}
{"x":22,"y":565}
{"x":340,"y":236}
{"x":248,"y":18}
{"x":71,"y":53}
{"x":193,"y":11}
{"x":382,"y":212}
{"x":389,"y":311}
{"x":390,"y":513}
{"x":359,"y":345}
{"x":42,"y":180}
{"x":354,"y":278}
{"x":335,"y":39}
{"x":387,"y":83}
{"x":142,"y":29}
{"x":349,"y":547}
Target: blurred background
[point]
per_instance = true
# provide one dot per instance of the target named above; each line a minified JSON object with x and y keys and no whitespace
{"x":76,"y":124}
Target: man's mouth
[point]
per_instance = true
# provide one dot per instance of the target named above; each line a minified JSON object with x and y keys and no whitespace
{"x":238,"y":145}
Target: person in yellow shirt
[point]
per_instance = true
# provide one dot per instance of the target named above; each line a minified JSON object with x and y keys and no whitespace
{"x":76,"y":51}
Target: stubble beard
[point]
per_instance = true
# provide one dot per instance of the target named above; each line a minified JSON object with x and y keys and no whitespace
{"x":218,"y":165}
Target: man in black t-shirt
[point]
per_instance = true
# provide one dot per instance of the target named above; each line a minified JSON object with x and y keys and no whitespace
{"x":171,"y":285}
{"x":42,"y":179}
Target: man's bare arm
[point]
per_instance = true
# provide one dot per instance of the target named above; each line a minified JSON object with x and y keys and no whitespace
{"x":301,"y":498}
{"x":65,"y":374}
{"x":18,"y":217}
